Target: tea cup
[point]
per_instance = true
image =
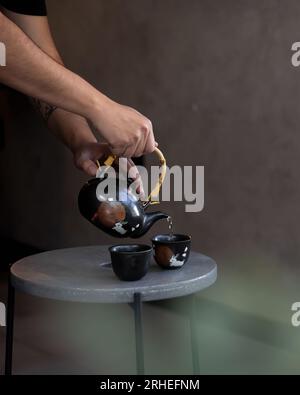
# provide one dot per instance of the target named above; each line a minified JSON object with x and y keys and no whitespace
{"x":130,"y":262}
{"x":171,"y":251}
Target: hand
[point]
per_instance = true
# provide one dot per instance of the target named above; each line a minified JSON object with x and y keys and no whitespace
{"x":85,"y":158}
{"x":128,"y":133}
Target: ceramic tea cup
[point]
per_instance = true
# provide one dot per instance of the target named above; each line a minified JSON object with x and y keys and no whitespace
{"x":171,"y":251}
{"x":130,"y":262}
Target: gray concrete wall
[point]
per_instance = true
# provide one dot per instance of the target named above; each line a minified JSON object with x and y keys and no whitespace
{"x":216,"y":79}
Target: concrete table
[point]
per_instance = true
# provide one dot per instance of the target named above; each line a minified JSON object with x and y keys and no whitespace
{"x":85,"y":275}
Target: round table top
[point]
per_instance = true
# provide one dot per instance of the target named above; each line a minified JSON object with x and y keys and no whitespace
{"x":84,"y":274}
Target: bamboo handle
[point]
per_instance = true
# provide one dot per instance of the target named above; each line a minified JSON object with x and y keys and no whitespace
{"x":110,"y":160}
{"x":162,"y":176}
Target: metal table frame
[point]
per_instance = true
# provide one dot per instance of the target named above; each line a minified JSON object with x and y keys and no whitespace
{"x":137,"y":306}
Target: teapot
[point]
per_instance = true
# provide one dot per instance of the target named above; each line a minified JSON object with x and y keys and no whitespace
{"x":121,"y":214}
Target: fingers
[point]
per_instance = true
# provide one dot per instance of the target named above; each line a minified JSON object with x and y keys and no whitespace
{"x":150,"y":143}
{"x":147,"y":142}
{"x":132,"y":169}
{"x":118,"y":151}
{"x":89,"y":167}
{"x":135,"y":175}
{"x":138,"y":141}
{"x":85,"y":159}
{"x":127,"y":166}
{"x":99,"y":150}
{"x":129,"y":151}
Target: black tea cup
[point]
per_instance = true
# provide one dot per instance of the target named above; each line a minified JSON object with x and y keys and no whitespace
{"x":171,"y":251}
{"x":130,"y":262}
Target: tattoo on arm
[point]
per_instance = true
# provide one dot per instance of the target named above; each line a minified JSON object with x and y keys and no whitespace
{"x":46,"y":110}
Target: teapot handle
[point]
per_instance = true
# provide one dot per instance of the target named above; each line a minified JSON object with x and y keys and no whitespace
{"x":110,"y":160}
{"x":162,"y":176}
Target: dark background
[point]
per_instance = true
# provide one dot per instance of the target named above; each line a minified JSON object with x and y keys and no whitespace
{"x":218,"y":84}
{"x":216,"y":79}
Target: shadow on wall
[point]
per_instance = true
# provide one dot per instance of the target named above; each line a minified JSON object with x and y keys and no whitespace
{"x":218,"y":94}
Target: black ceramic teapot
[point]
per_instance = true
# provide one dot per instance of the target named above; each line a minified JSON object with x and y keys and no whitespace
{"x":120,"y":214}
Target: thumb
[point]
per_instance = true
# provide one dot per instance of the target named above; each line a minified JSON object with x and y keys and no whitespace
{"x":89,"y":167}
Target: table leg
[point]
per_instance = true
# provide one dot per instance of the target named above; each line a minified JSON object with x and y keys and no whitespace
{"x":194,"y":335}
{"x":138,"y":310}
{"x":9,"y":328}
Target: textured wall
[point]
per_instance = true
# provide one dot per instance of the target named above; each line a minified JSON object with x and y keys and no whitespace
{"x":216,"y":79}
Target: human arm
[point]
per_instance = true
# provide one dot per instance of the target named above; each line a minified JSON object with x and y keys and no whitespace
{"x":32,"y":71}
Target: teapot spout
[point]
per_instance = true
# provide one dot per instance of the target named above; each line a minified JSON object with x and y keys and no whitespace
{"x":149,"y":221}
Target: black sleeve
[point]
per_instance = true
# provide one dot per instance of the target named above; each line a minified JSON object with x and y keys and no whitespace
{"x":26,"y":7}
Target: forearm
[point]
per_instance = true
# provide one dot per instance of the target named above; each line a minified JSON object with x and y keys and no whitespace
{"x":33,"y":72}
{"x":73,"y":130}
